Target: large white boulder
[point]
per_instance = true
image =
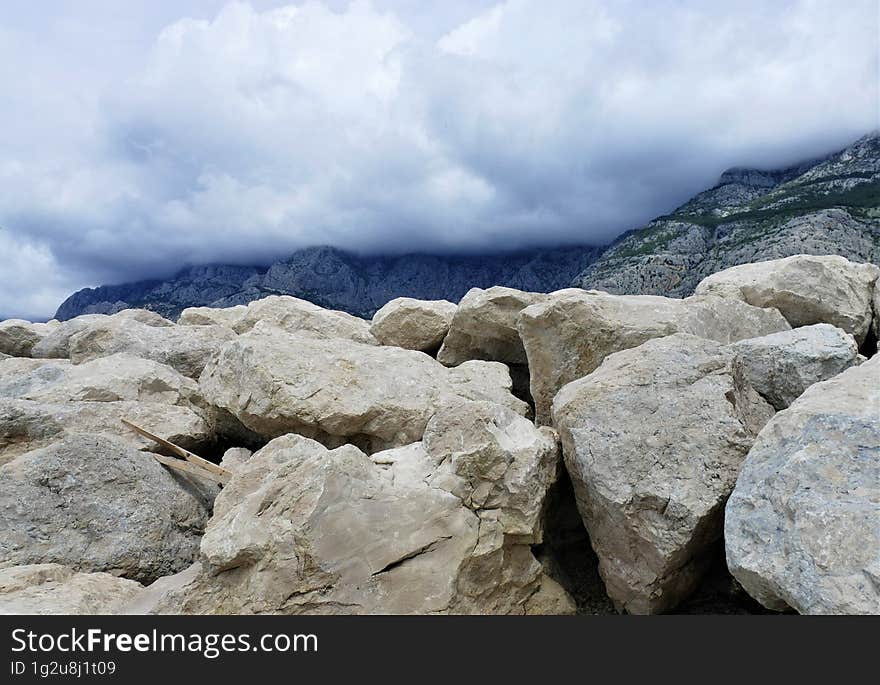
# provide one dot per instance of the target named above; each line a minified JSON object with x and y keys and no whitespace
{"x":18,"y":337}
{"x":303,"y":529}
{"x":300,"y":316}
{"x":802,"y":527}
{"x":26,"y":425}
{"x":56,"y":344}
{"x":337,"y":390}
{"x":807,"y":289}
{"x":413,"y":324}
{"x":780,"y":366}
{"x":94,"y":503}
{"x":653,"y":440}
{"x":56,"y":589}
{"x":484,"y":327}
{"x":185,"y":348}
{"x":570,"y":332}
{"x":217,"y":316}
{"x":118,"y":377}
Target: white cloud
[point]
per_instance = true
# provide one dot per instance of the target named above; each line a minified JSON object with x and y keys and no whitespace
{"x":248,"y":133}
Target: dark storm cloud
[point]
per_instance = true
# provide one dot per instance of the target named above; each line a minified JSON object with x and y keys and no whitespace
{"x":136,"y":141}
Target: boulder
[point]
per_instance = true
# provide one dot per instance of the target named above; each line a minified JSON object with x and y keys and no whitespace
{"x":118,"y":377}
{"x":780,"y":366}
{"x":413,"y":324}
{"x":95,"y":503}
{"x":876,"y":320}
{"x":570,"y":332}
{"x":806,"y":289}
{"x":56,"y":589}
{"x":185,"y":348}
{"x":18,"y":337}
{"x":484,"y":327}
{"x":301,"y":529}
{"x":299,"y":316}
{"x":802,"y":527}
{"x":207,"y":316}
{"x":337,"y":390}
{"x":653,"y":440}
{"x":26,"y":425}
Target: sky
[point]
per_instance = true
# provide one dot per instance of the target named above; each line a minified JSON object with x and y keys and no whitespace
{"x":139,"y":137}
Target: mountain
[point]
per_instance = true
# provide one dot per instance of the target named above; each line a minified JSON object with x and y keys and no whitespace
{"x":827,"y":206}
{"x":337,"y":279}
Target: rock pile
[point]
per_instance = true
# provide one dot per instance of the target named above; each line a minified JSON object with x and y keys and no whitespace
{"x":420,"y":463}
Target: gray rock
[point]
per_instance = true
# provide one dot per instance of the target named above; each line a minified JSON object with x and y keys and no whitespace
{"x":57,"y":589}
{"x":26,"y":425}
{"x":802,"y":527}
{"x":570,"y":332}
{"x":782,"y":365}
{"x":305,"y":530}
{"x":18,"y":337}
{"x":413,"y":324}
{"x":56,"y":345}
{"x":805,"y":289}
{"x":96,"y":504}
{"x":653,"y":440}
{"x":299,"y":316}
{"x":484,"y":327}
{"x":185,"y":348}
{"x":337,"y":390}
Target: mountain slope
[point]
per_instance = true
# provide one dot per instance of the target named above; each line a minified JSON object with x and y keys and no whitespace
{"x":340,"y":280}
{"x":829,"y":206}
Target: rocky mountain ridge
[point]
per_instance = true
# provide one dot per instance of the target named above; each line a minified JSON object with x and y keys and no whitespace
{"x":827,"y":206}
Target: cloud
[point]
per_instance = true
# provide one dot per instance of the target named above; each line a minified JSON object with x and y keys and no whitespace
{"x":246,"y":133}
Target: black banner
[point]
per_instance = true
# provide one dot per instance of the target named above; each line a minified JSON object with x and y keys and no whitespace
{"x":405,"y":649}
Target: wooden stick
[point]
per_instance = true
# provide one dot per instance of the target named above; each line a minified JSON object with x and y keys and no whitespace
{"x":179,"y":451}
{"x":187,"y":467}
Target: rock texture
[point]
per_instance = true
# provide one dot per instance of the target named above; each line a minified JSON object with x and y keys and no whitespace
{"x":186,"y":349}
{"x":339,"y":391}
{"x":18,"y":337}
{"x":782,"y":365}
{"x":801,"y":527}
{"x":304,"y":529}
{"x":413,"y":324}
{"x":570,"y":332}
{"x":805,"y":289}
{"x":26,"y":425}
{"x":484,"y":327}
{"x":97,"y":504}
{"x":57,"y":589}
{"x":653,"y":440}
{"x":298,"y":316}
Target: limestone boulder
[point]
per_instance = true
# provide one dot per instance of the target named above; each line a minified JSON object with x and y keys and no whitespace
{"x":94,"y":503}
{"x":802,"y":527}
{"x":337,"y":390}
{"x":26,"y":425}
{"x":118,"y":377}
{"x":653,"y":440}
{"x":303,"y":529}
{"x":56,"y":589}
{"x":484,"y":327}
{"x":18,"y":337}
{"x":780,"y":366}
{"x":807,"y":289}
{"x":569,"y":333}
{"x":300,"y":316}
{"x":208,"y":316}
{"x":876,"y":320}
{"x":184,"y":348}
{"x":413,"y":324}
